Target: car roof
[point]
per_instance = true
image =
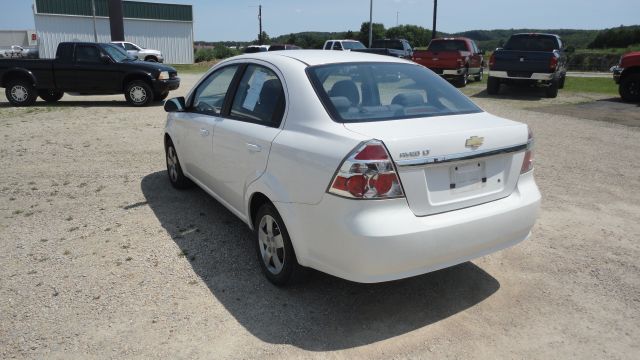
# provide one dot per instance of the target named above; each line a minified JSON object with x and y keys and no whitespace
{"x":321,"y":57}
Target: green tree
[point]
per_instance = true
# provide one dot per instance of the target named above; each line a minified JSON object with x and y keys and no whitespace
{"x":416,"y":35}
{"x":378,"y":32}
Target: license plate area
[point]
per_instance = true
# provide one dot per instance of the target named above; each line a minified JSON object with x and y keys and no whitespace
{"x":467,"y":176}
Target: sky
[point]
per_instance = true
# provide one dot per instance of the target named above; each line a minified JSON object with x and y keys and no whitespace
{"x":224,"y":20}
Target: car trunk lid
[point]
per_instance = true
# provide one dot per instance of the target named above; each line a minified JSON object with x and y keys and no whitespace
{"x":451,"y":162}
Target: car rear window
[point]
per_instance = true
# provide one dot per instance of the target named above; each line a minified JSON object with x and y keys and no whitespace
{"x":388,"y":44}
{"x":531,"y":42}
{"x":362,"y":92}
{"x":447,"y":45}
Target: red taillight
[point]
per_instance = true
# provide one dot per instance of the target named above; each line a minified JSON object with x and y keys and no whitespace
{"x":367,"y":173}
{"x":553,"y":63}
{"x":492,"y":61}
{"x":527,"y":163}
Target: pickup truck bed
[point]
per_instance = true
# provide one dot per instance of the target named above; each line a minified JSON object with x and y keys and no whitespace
{"x":86,"y":69}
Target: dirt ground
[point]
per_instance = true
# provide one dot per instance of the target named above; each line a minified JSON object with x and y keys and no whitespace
{"x":101,"y":258}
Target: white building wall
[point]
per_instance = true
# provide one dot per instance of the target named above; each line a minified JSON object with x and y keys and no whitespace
{"x":173,"y":38}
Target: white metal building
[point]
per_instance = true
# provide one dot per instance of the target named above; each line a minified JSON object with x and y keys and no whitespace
{"x":22,"y":38}
{"x":164,"y":27}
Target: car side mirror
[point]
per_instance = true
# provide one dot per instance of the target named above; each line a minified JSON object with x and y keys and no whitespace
{"x":105,"y":59}
{"x":176,"y":104}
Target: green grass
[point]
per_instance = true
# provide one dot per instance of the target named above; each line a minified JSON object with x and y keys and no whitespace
{"x":615,"y":51}
{"x":591,"y":85}
{"x":193,"y":68}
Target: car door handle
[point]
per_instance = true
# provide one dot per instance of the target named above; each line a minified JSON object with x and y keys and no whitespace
{"x":254,"y":147}
{"x":204,"y":132}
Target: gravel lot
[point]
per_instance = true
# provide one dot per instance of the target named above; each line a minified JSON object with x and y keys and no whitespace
{"x":102,"y":258}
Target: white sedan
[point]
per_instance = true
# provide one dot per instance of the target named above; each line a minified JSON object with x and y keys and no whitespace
{"x":365,"y":167}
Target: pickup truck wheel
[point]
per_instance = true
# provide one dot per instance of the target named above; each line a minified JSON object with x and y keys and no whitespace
{"x":479,"y":76}
{"x":50,"y":95}
{"x":151,"y":59}
{"x":562,"y":80}
{"x":552,"y":90}
{"x":630,"y":88}
{"x":174,"y":170}
{"x":463,"y":79}
{"x":21,"y":93}
{"x":138,"y":93}
{"x":274,"y":249}
{"x":493,"y":85}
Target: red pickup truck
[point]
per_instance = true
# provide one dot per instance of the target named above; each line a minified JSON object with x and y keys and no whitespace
{"x":452,"y":58}
{"x":627,"y":75}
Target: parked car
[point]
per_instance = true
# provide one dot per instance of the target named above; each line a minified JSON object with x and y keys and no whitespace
{"x":529,"y":59}
{"x":627,"y":75}
{"x":343,"y":45}
{"x":454,"y":59}
{"x":251,"y":49}
{"x":335,"y":170}
{"x":86,"y":69}
{"x":392,"y":47}
{"x":276,"y":47}
{"x":140,"y":52}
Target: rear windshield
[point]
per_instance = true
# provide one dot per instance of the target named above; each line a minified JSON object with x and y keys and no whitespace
{"x":447,"y":45}
{"x":531,"y":43}
{"x":361,"y":92}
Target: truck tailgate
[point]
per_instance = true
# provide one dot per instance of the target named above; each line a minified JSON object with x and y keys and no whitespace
{"x":522,"y":61}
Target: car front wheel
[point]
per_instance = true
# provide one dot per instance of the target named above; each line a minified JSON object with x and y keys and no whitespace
{"x":274,"y":249}
{"x":138,"y":93}
{"x":174,"y":170}
{"x":21,"y":93}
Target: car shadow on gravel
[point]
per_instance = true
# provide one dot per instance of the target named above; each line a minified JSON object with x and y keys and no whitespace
{"x":324,"y":313}
{"x":513,"y":93}
{"x":81,"y":104}
{"x":612,"y":110}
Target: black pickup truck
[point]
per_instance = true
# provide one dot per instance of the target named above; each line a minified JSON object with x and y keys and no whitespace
{"x":529,"y":59}
{"x":86,"y":69}
{"x":391,"y":47}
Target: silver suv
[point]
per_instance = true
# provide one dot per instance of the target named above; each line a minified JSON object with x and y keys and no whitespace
{"x":142,"y":53}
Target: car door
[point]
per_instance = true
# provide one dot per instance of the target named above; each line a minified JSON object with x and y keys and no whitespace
{"x":131,"y":49}
{"x":197,"y":125}
{"x":475,"y":62}
{"x":243,"y":137}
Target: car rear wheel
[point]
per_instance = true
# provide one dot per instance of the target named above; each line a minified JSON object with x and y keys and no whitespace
{"x":630,"y":88}
{"x":50,"y":95}
{"x":138,"y":93}
{"x":493,"y":85}
{"x":562,"y":80}
{"x":552,"y":90}
{"x":463,"y":79}
{"x":174,"y":170}
{"x":21,"y":93}
{"x":274,"y":249}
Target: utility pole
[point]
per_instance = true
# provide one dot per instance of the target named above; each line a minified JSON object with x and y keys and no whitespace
{"x":260,"y":24}
{"x":435,"y":12}
{"x":370,"y":22}
{"x":397,"y":14}
{"x":93,"y":11}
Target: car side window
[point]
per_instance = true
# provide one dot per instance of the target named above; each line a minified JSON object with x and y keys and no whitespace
{"x":337,"y":46}
{"x":128,"y":47}
{"x":210,"y":94}
{"x":328,"y":45}
{"x":87,"y":54}
{"x":259,"y":97}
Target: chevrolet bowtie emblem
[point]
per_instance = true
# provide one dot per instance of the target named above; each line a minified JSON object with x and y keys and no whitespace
{"x":474,"y":142}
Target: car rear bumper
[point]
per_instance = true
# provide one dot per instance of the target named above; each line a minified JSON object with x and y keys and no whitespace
{"x":533,"y":76}
{"x":161,"y":86}
{"x":373,"y":241}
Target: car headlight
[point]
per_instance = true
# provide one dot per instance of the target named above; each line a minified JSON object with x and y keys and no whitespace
{"x":164,"y":75}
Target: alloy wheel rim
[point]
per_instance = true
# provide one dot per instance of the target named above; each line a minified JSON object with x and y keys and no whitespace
{"x":138,"y":94}
{"x":19,"y":93}
{"x":172,"y":162}
{"x":271,"y":244}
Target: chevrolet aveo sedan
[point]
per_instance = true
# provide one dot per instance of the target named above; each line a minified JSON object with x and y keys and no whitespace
{"x":366,"y":167}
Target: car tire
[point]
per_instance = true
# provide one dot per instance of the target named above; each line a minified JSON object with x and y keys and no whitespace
{"x":479,"y":76}
{"x":463,"y":79}
{"x":629,"y":88}
{"x":50,"y":95}
{"x":493,"y":85}
{"x":562,"y":80}
{"x":21,"y":93}
{"x":274,"y":249}
{"x":552,"y":90}
{"x":174,"y":170}
{"x":138,"y":93}
{"x":151,"y":59}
